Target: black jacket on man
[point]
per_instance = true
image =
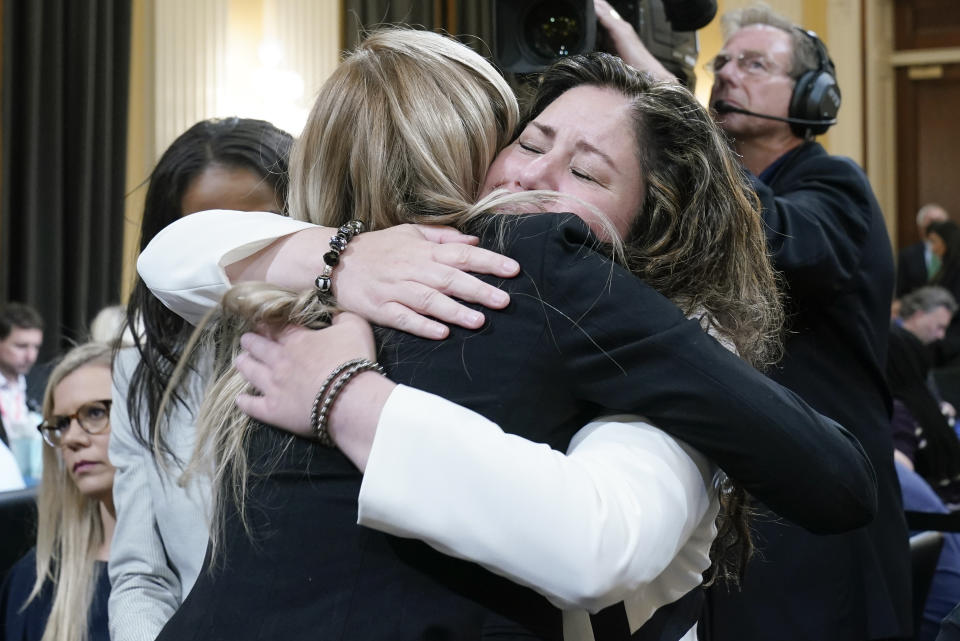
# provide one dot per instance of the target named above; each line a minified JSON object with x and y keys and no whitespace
{"x":827,"y":236}
{"x":911,"y":268}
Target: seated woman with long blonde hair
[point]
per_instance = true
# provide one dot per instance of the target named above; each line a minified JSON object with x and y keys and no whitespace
{"x":59,"y":590}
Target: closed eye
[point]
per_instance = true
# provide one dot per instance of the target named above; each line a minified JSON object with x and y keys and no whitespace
{"x":582,"y":176}
{"x":530,"y":148}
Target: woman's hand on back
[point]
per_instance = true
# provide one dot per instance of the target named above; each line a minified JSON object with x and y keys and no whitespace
{"x":289,"y":368}
{"x":406,"y":276}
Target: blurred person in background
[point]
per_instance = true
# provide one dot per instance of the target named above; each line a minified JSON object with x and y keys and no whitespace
{"x":773,"y":83}
{"x":21,"y":335}
{"x":916,"y":263}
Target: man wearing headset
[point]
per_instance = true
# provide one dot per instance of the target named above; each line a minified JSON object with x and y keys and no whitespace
{"x":774,"y":89}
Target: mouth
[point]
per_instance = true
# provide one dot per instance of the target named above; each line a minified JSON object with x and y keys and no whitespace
{"x":732,"y":103}
{"x":81,"y":467}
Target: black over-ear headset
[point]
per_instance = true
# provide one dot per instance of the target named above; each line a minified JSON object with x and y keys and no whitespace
{"x":816,"y":96}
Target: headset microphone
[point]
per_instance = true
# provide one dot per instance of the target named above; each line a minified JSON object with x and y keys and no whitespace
{"x":724,"y":107}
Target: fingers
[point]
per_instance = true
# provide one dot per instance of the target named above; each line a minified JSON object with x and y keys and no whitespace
{"x":255,"y":372}
{"x":442,"y":234}
{"x":606,"y":14}
{"x":253,"y":406}
{"x":627,"y":42}
{"x":477,"y":260}
{"x":430,"y":300}
{"x":465,"y":287}
{"x":404,"y":319}
{"x":262,"y":348}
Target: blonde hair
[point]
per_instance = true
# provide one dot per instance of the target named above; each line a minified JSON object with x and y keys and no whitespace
{"x":402,"y":132}
{"x":110,"y":326}
{"x":69,"y":529}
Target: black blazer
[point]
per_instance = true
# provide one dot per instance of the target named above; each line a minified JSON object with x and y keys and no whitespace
{"x":829,"y":240}
{"x":580,"y":337}
{"x":911,"y":269}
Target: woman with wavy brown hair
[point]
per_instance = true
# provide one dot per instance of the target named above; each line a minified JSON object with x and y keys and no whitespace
{"x":581,"y":337}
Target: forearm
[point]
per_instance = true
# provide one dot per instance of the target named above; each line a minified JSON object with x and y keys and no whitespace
{"x":192,"y":262}
{"x":584,"y":529}
{"x":402,"y":277}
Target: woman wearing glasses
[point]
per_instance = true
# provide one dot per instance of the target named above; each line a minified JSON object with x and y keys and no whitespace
{"x":59,"y":590}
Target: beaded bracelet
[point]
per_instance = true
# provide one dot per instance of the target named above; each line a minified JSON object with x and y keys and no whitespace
{"x":338,"y":243}
{"x":323,"y":403}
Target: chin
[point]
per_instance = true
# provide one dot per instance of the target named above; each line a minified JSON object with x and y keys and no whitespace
{"x":96,"y":487}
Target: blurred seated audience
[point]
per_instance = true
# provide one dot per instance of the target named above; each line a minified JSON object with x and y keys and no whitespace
{"x":944,"y":592}
{"x":921,"y":422}
{"x":59,"y":590}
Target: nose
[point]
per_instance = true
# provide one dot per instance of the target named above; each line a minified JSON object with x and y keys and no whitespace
{"x":726,"y":75}
{"x":540,"y":173}
{"x":74,"y":437}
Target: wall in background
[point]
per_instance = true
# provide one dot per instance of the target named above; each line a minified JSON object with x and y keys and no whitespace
{"x":198,"y":59}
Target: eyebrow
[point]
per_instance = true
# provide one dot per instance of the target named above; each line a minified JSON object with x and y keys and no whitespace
{"x":752,"y":52}
{"x":550,"y":132}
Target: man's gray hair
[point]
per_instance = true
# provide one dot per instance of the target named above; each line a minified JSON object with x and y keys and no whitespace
{"x":805,"y":56}
{"x":926,"y":299}
{"x":928,"y":208}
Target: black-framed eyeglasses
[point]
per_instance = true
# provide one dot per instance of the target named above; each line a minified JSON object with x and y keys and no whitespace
{"x":92,"y":417}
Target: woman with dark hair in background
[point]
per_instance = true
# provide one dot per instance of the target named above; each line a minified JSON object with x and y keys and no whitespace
{"x":58,"y":591}
{"x":162,"y":527}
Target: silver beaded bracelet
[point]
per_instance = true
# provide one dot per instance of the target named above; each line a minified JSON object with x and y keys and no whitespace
{"x":338,"y":243}
{"x":329,"y":391}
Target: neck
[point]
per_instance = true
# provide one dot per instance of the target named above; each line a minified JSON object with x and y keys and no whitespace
{"x":108,"y":516}
{"x":756,"y":154}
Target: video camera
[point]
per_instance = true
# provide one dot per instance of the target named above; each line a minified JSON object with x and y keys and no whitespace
{"x":531,"y":34}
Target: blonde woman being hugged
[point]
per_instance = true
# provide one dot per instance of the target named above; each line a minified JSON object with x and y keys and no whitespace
{"x":59,"y":590}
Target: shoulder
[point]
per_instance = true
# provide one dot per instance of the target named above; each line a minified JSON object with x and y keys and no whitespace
{"x":23,"y":572}
{"x":812,"y":160}
{"x":16,"y":589}
{"x":568,"y":267}
{"x":124,"y":364}
{"x":519,"y":232}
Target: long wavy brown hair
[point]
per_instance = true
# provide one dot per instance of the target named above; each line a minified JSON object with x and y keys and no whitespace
{"x":698,"y":237}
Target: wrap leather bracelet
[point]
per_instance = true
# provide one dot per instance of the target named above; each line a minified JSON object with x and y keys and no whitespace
{"x":331,"y":388}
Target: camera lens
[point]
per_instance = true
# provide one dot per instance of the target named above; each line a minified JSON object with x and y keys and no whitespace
{"x":553,"y":29}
